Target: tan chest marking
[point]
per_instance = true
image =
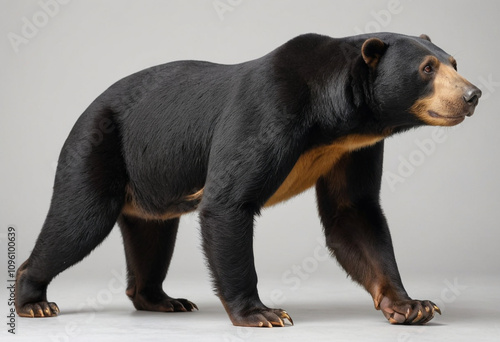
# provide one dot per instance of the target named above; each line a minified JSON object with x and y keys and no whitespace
{"x":317,"y":162}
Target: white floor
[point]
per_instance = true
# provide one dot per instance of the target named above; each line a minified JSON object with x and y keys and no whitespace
{"x":323,"y":310}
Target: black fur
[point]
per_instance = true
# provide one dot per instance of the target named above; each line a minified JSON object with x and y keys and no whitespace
{"x":222,"y":139}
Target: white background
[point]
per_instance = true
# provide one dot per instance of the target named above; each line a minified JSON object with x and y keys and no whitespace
{"x":443,"y":210}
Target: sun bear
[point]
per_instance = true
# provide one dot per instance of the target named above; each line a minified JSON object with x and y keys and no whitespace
{"x":230,"y":140}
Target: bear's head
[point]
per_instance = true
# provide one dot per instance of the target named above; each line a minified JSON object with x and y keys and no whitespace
{"x":414,"y":82}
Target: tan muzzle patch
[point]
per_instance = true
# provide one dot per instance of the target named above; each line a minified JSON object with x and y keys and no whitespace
{"x":448,"y":104}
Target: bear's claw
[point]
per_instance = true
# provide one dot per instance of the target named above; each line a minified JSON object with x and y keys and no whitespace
{"x":39,"y":309}
{"x":409,"y":311}
{"x":266,"y":318}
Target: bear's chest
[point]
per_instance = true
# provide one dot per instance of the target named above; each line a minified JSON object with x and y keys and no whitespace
{"x":316,"y":163}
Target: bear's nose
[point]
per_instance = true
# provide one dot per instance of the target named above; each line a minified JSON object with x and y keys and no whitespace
{"x":472,"y":95}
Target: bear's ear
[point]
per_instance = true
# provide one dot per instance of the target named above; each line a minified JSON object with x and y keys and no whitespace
{"x":372,"y":50}
{"x":424,"y":36}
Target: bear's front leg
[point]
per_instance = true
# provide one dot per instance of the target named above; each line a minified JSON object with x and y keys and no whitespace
{"x":251,"y":154}
{"x":227,"y":233}
{"x":357,"y":234}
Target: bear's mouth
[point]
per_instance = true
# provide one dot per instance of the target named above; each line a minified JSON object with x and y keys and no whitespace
{"x":450,"y":117}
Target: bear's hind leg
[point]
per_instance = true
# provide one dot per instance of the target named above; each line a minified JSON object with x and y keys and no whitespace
{"x":89,"y":193}
{"x":79,"y":219}
{"x":149,"y":245}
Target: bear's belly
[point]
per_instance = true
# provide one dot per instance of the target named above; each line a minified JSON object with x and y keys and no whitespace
{"x":316,"y":163}
{"x":307,"y":170}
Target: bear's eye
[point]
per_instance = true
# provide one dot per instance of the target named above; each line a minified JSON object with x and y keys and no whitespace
{"x":428,"y":69}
